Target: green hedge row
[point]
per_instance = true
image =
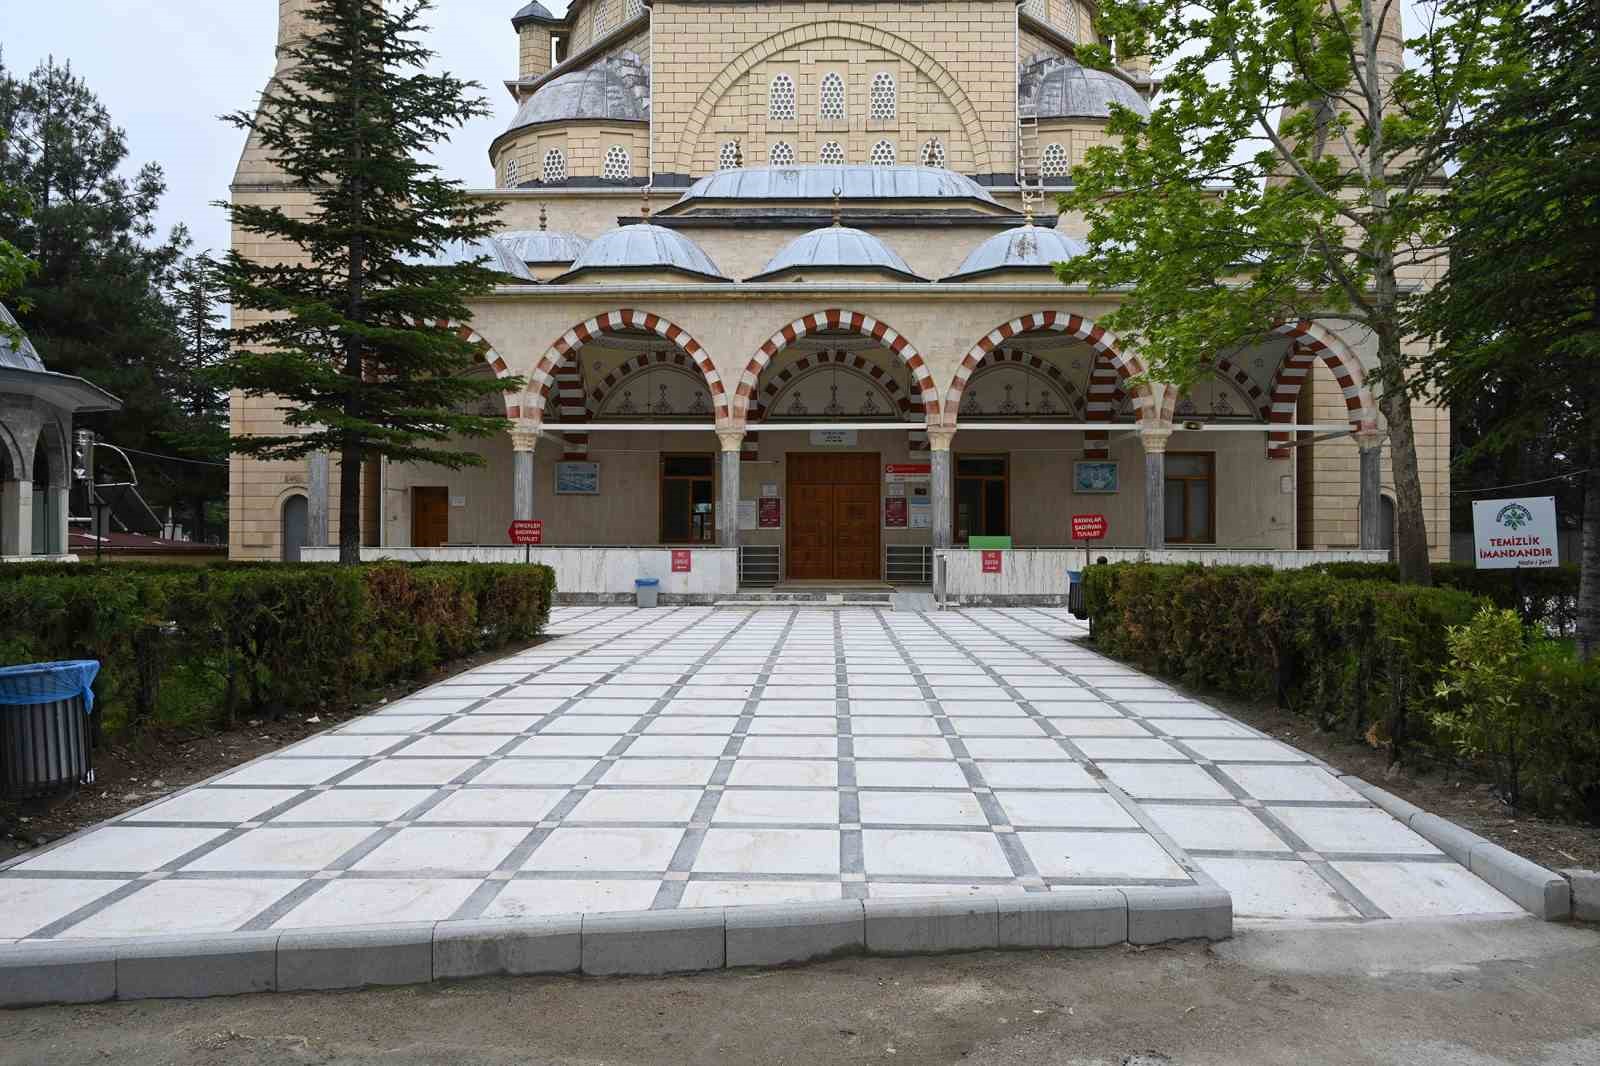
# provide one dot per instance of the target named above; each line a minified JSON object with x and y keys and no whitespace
{"x":1365,"y":658}
{"x":195,"y":647}
{"x":1546,"y":597}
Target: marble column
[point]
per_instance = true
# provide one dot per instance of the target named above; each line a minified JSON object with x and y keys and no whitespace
{"x":939,"y":485}
{"x":317,"y":499}
{"x":1371,"y":505}
{"x":1154,"y":439}
{"x":731,"y":441}
{"x":16,"y":521}
{"x":524,"y":440}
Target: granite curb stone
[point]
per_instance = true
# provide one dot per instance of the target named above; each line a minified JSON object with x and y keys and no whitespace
{"x":191,"y":967}
{"x":1080,"y":918}
{"x":50,"y":971}
{"x":1585,"y":885}
{"x":355,"y":956}
{"x":1160,"y":914}
{"x":925,"y":926}
{"x":508,"y":946}
{"x":795,"y":932}
{"x":653,"y":942}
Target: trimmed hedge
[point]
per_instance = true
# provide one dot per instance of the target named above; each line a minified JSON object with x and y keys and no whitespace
{"x":195,"y":646}
{"x":1548,"y":599}
{"x":1365,"y":658}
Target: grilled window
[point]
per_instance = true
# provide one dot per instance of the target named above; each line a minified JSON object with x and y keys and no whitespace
{"x":883,"y":96}
{"x":883,"y":154}
{"x":555,"y":166}
{"x":831,"y":154}
{"x":782,"y":154}
{"x":832,"y":98}
{"x":617,"y":165}
{"x":780,"y":99}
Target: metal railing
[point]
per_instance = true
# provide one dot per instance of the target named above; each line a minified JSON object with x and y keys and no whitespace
{"x":908,"y":564}
{"x":760,"y":565}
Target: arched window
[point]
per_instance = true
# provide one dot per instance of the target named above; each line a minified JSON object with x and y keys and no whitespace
{"x":883,"y":96}
{"x":730,"y":158}
{"x":782,"y":154}
{"x":831,"y":154}
{"x":780,"y":99}
{"x":1035,"y":9}
{"x":1053,"y":164}
{"x":933,"y":152}
{"x":831,"y":107}
{"x":883,"y":154}
{"x":555,"y":166}
{"x":617,"y":166}
{"x":513,"y":171}
{"x":602,"y":17}
{"x":632,"y":9}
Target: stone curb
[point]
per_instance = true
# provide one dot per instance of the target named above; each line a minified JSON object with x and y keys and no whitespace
{"x":1542,"y":893}
{"x":617,"y":944}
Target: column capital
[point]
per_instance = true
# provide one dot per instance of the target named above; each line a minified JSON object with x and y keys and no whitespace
{"x":731,"y":440}
{"x":1368,"y":438}
{"x":525,"y":435}
{"x":939,"y":438}
{"x":1154,"y":438}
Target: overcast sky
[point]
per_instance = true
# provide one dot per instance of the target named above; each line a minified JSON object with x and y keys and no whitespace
{"x":167,"y":68}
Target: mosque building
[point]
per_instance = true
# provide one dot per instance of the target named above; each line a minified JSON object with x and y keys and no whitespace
{"x":778,"y":277}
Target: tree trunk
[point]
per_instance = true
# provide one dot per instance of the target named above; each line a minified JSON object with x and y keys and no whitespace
{"x":1411,"y":538}
{"x":350,"y":503}
{"x":1589,"y":554}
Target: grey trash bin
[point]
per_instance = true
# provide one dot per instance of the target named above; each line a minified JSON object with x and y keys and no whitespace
{"x":1075,"y":602}
{"x":646,"y":589}
{"x":44,"y":727}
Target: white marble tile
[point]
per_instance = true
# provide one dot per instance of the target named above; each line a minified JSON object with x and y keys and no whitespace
{"x":921,"y":808}
{"x":284,"y":771}
{"x":443,"y":850}
{"x":788,"y":773}
{"x":933,"y":853}
{"x":903,"y":748}
{"x":168,"y":907}
{"x":217,"y":805}
{"x":1126,"y":748}
{"x":1425,"y":889}
{"x":606,"y":849}
{"x":1089,"y":810}
{"x":282,"y":848}
{"x":1060,"y":774}
{"x":634,"y":806}
{"x":367,"y":902}
{"x":444,"y":746}
{"x":1164,"y":781}
{"x":1111,"y":855}
{"x":121,"y":847}
{"x":411,"y":772}
{"x":534,"y":772}
{"x":480,"y":805}
{"x":1291,"y":783}
{"x":778,"y":806}
{"x":1014,"y":748}
{"x":1269,"y":888}
{"x":698,"y":746}
{"x":745,"y":893}
{"x":1352,"y":829}
{"x":774,"y":851}
{"x":905,"y":773}
{"x":543,"y":896}
{"x":1215,"y":828}
{"x":372,"y":805}
{"x":31,"y":903}
{"x":676,"y":772}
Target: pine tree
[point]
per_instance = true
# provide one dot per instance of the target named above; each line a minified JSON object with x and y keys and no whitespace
{"x":354,"y":341}
{"x":202,"y":431}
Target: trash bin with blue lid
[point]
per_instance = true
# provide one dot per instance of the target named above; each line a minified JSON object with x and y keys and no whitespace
{"x":45,"y":727}
{"x":646,"y":589}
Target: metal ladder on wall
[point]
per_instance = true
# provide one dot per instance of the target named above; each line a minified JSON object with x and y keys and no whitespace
{"x":1028,"y":160}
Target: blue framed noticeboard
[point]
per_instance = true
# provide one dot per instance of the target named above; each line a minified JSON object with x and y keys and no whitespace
{"x":1094,"y":476}
{"x":577,"y":479}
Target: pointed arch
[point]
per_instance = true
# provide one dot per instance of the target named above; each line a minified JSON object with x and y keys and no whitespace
{"x":543,"y":377}
{"x":835,"y":319}
{"x":1229,"y":373}
{"x":1034,"y":364}
{"x":1312,"y":341}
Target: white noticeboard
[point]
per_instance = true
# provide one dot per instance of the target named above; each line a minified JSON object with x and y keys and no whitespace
{"x":833,"y":438}
{"x":747,"y":514}
{"x":1512,"y":534}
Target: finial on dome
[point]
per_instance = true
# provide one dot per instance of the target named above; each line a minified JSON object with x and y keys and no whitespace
{"x":1028,"y":197}
{"x":544,"y":218}
{"x":837,"y":192}
{"x":644,"y":206}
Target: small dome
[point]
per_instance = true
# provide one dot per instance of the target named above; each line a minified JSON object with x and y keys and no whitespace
{"x":535,"y":246}
{"x":1059,"y":87}
{"x":19,"y":354}
{"x":1022,"y":248}
{"x":901,"y":182}
{"x":645,"y":247}
{"x":616,"y":88}
{"x":837,"y":248}
{"x":533,"y":11}
{"x":500,"y":258}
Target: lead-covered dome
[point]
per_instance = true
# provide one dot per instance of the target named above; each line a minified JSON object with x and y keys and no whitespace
{"x":18,"y":354}
{"x":835,"y":248}
{"x":1059,"y":87}
{"x":616,"y":89}
{"x":900,"y":182}
{"x":645,"y":247}
{"x":1023,"y":248}
{"x":539,"y":246}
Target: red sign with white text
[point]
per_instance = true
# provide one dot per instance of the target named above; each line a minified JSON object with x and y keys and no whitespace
{"x":900,"y":473}
{"x":681,"y":560}
{"x":1088,"y":526}
{"x":526,"y":531}
{"x":991,"y":562}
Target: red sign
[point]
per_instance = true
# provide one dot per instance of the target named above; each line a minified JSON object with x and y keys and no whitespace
{"x":769,"y":513}
{"x":991,"y":562}
{"x":897,"y":473}
{"x":526,"y":531}
{"x":896,"y":513}
{"x":681,"y":560}
{"x":1088,"y":526}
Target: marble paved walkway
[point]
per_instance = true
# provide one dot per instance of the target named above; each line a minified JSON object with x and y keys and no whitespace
{"x":697,"y":757}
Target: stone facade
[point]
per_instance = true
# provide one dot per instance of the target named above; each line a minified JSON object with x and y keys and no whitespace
{"x":843,"y":94}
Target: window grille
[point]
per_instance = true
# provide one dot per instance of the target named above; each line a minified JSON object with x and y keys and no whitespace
{"x":832,"y":106}
{"x":555,"y":166}
{"x":728,"y":158}
{"x":780,"y":99}
{"x":513,"y":171}
{"x":883,"y":96}
{"x":831,"y":154}
{"x":1053,"y":164}
{"x":617,"y":166}
{"x":883,"y":154}
{"x":933,"y":153}
{"x":632,"y":9}
{"x":782,"y":154}
{"x":602,"y":18}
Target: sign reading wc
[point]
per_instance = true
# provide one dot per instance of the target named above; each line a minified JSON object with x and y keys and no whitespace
{"x":1510,"y":534}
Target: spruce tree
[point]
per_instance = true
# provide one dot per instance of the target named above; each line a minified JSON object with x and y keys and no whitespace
{"x":201,"y":432}
{"x":354,"y":340}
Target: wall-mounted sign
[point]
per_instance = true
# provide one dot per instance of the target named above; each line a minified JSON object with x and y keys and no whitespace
{"x":1094,"y":476}
{"x":769,"y":488}
{"x":747,"y":514}
{"x":1512,"y":534}
{"x":682,"y":560}
{"x":577,"y":479}
{"x":1088,"y":526}
{"x":526,"y":531}
{"x":991,"y":562}
{"x":833,"y":438}
{"x":900,"y":473}
{"x":896,"y":513}
{"x":769,"y":513}
{"x":458,"y":501}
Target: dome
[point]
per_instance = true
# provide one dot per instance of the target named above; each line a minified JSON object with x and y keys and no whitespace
{"x":644,"y":246}
{"x":1064,"y":88}
{"x":616,"y":89}
{"x":533,"y":11}
{"x":901,"y":182}
{"x":1022,"y":248}
{"x":19,"y":354}
{"x":536,"y":246}
{"x":499,"y":258}
{"x":837,"y":248}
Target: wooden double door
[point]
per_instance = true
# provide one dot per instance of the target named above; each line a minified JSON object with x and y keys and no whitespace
{"x":833,"y":516}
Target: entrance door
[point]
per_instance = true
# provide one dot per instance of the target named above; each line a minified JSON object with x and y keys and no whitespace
{"x":430,"y":516}
{"x":833,"y":516}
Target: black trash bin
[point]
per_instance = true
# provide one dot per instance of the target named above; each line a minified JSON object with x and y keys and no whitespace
{"x":44,"y":727}
{"x":1075,"y":594}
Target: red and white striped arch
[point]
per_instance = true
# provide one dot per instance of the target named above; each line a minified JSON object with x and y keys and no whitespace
{"x":544,"y":376}
{"x":570,"y":407}
{"x":487,"y":355}
{"x":1311,"y":342}
{"x":1227,"y":370}
{"x":746,"y":396}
